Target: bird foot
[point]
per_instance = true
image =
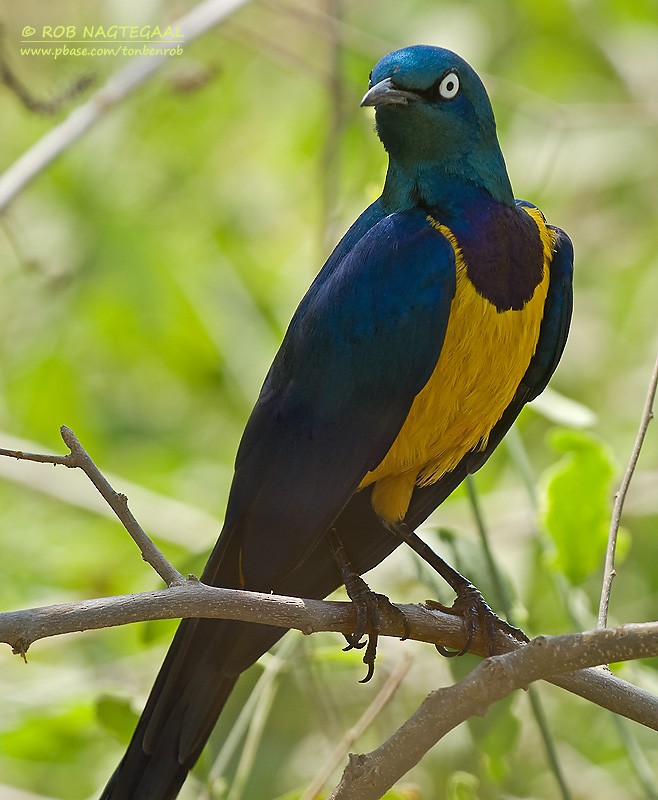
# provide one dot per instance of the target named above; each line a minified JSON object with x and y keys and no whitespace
{"x":368,"y":620}
{"x":368,"y":606}
{"x":476,"y":614}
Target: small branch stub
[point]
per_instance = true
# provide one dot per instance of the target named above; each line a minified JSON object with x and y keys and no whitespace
{"x":78,"y":457}
{"x":119,"y":504}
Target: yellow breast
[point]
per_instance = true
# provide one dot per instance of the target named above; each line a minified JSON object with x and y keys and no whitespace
{"x":484,"y":356}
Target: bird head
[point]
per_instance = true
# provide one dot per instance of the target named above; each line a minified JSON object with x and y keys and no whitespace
{"x":432,"y":110}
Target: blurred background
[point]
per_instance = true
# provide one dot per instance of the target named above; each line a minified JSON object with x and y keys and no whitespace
{"x":148,"y":276}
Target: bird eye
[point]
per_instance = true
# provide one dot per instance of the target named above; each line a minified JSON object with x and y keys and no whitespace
{"x":449,"y":86}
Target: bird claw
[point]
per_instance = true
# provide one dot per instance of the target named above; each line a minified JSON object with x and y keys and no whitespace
{"x":368,"y":621}
{"x":353,"y":643}
{"x":374,"y":602}
{"x":476,"y":614}
{"x":366,"y":606}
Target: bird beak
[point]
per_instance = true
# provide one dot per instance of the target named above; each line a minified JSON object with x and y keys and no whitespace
{"x":386,"y":93}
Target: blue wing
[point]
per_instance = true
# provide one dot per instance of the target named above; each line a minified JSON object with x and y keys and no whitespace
{"x":361,"y":345}
{"x":373,"y":542}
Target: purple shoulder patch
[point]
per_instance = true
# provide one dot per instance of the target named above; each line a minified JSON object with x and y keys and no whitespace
{"x":503,"y":253}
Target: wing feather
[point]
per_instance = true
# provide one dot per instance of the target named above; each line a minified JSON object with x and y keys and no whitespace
{"x":362,"y":344}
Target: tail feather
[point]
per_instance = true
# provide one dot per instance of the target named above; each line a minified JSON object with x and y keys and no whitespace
{"x":197,"y":676}
{"x":173,"y":728}
{"x":207,"y":656}
{"x":190,"y":692}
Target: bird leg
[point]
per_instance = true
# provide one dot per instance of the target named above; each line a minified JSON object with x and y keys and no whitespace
{"x":366,"y":605}
{"x":469,"y":604}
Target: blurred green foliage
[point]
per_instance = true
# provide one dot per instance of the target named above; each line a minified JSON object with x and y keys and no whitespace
{"x":148,"y":276}
{"x":576,"y":497}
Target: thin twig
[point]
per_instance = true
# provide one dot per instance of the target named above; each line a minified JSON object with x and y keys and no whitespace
{"x":494,"y":571}
{"x":276,"y":49}
{"x":609,"y":569}
{"x":120,"y":85}
{"x":252,"y":740}
{"x":382,"y":698}
{"x":319,"y":22}
{"x":78,"y":457}
{"x":274,"y":665}
{"x":166,"y":518}
{"x":645,"y":774}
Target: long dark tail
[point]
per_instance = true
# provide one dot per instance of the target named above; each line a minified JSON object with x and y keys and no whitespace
{"x":207,"y":656}
{"x":191,"y":689}
{"x":198,"y":674}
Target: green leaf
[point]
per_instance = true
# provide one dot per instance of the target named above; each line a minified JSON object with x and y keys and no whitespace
{"x":117,"y":716}
{"x":575,"y":502}
{"x":462,"y":786}
{"x":50,"y":754}
{"x":49,"y":738}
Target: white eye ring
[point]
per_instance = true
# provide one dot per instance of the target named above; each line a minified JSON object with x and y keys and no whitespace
{"x":449,"y":86}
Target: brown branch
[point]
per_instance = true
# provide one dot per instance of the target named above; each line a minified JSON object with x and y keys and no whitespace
{"x":193,"y":599}
{"x":368,"y":777}
{"x":78,"y":457}
{"x":609,"y":569}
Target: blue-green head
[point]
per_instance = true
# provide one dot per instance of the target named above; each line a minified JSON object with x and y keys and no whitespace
{"x":435,"y":120}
